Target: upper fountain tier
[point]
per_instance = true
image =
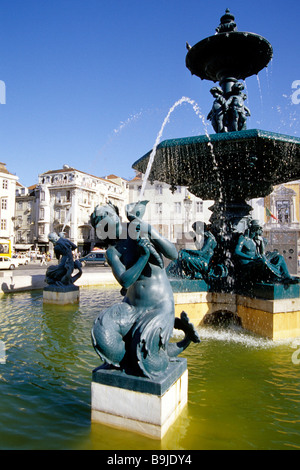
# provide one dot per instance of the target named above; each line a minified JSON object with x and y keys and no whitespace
{"x":229,"y":53}
{"x":245,"y":164}
{"x":235,"y":164}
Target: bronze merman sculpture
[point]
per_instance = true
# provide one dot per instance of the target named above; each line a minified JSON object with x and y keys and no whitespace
{"x":195,"y":264}
{"x":257,"y":264}
{"x":61,"y":275}
{"x":134,"y":335}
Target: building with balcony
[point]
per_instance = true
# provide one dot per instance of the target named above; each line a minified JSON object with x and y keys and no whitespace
{"x":8,"y":183}
{"x":66,"y":199}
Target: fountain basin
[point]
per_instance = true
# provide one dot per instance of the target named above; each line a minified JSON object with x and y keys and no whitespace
{"x":235,"y":54}
{"x":246,"y":163}
{"x":46,"y":385}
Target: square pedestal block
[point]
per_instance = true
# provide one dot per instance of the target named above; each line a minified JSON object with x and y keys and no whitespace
{"x":61,"y":295}
{"x":138,"y":404}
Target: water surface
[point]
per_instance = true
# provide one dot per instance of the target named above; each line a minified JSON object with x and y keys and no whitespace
{"x":244,"y":391}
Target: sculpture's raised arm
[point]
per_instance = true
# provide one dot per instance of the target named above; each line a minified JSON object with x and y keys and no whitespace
{"x":127,"y":276}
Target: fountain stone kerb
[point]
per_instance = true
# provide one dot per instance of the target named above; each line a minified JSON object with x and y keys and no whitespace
{"x":232,"y":166}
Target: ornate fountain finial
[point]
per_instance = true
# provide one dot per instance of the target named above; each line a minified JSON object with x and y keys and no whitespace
{"x":227,"y":23}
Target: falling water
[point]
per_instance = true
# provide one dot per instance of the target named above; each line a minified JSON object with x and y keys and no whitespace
{"x":260,"y":93}
{"x":197,"y":110}
{"x":130,"y":119}
{"x":115,"y":133}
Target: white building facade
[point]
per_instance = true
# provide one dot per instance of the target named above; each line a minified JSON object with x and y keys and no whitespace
{"x":7,"y":203}
{"x":66,"y":199}
{"x":172,"y":214}
{"x":25,"y":218}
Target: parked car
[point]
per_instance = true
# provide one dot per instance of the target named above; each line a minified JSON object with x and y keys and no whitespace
{"x":8,"y":263}
{"x":95,"y":258}
{"x":22,"y":259}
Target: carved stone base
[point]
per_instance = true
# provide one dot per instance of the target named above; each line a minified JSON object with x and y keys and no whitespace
{"x":269,"y":310}
{"x":139,"y":404}
{"x":61,"y":295}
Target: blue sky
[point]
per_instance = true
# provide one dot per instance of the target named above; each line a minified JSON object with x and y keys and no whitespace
{"x":89,"y":82}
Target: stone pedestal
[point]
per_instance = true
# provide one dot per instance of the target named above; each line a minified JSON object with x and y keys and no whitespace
{"x":269,"y":310}
{"x":139,"y":404}
{"x":61,"y":295}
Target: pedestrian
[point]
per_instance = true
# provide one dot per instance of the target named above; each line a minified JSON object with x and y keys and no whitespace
{"x":43,"y":259}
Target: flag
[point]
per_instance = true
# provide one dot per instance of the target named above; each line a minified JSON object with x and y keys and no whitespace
{"x":269,"y":214}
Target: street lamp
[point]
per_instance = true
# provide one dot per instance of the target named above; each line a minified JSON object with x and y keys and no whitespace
{"x":187,"y":202}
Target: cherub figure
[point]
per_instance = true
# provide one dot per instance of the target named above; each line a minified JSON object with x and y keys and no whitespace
{"x":218,"y":111}
{"x":237,"y":112}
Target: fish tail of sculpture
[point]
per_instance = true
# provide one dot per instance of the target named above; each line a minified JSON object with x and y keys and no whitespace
{"x":149,"y":343}
{"x":191,"y":336}
{"x":109,"y":346}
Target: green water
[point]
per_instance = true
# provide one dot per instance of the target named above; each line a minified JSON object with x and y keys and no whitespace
{"x":244,"y":391}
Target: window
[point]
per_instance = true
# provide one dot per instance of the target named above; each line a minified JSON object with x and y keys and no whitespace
{"x":42,"y":213}
{"x":5,"y":184}
{"x":41,"y":230}
{"x":283,"y":211}
{"x":20,"y":205}
{"x":3,"y":224}
{"x":199,"y":206}
{"x":178,"y":207}
{"x":42,"y":195}
{"x":159,"y":189}
{"x":4,"y":204}
{"x":158,"y":208}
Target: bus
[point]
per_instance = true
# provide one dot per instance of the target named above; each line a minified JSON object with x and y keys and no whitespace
{"x":5,"y":247}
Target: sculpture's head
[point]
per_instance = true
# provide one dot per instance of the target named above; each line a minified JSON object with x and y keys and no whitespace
{"x":255,"y":227}
{"x":216,"y":91}
{"x":106,"y":221}
{"x":53,"y":237}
